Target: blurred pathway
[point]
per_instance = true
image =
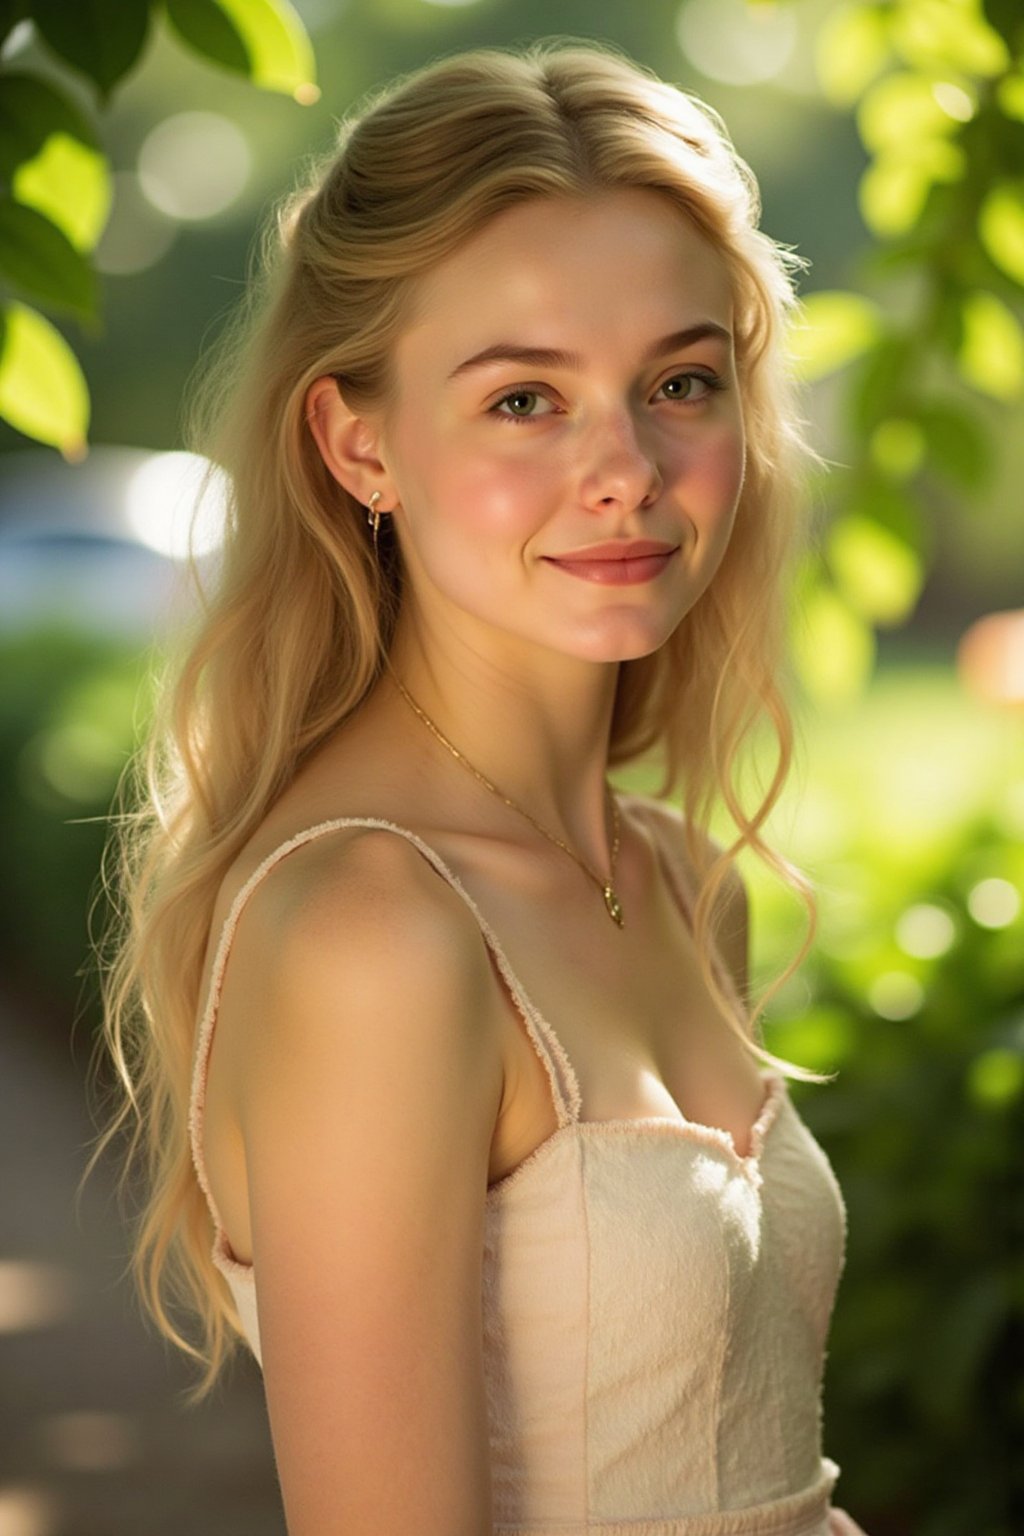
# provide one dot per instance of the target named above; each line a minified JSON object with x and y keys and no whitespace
{"x":94,"y":1440}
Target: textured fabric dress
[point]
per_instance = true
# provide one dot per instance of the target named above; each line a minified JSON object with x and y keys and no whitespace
{"x":656,"y":1307}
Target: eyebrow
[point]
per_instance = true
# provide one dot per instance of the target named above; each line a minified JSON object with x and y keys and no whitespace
{"x":549,"y":357}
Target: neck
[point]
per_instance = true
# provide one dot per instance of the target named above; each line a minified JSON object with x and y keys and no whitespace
{"x":539,"y":734}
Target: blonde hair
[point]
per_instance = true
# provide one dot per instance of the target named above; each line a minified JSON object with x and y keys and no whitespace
{"x":299,"y":628}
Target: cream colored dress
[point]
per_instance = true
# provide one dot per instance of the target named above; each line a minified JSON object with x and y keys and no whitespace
{"x":656,"y":1307}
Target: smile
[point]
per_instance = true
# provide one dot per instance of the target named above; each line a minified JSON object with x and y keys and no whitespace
{"x":617,"y":573}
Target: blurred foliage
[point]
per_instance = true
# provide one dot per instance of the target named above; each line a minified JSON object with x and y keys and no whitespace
{"x":67,"y":726}
{"x":55,"y":183}
{"x":914,"y":993}
{"x":933,"y":346}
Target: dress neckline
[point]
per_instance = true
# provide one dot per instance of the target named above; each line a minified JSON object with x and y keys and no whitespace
{"x":561,"y":1073}
{"x":679,"y":1128}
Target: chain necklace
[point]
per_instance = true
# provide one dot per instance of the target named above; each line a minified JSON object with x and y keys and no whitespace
{"x":606,"y":887}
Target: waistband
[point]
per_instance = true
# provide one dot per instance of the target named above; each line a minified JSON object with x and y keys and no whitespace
{"x":798,"y":1514}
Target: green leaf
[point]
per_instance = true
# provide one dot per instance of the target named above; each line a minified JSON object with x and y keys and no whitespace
{"x":890,"y":507}
{"x":902,"y":107}
{"x":996,"y":1077}
{"x":50,"y":155}
{"x":203,"y":25}
{"x":881,"y":381}
{"x":897,"y":447}
{"x":833,"y":649}
{"x":1001,"y":228}
{"x":261,"y":39}
{"x":832,"y":328}
{"x":957,"y":445}
{"x":934,"y":34}
{"x":879,"y":574}
{"x":70,"y":188}
{"x":852,"y":47}
{"x":1010,"y":96}
{"x":102,"y":38}
{"x":892,"y":194}
{"x":39,"y":258}
{"x":992,"y":353}
{"x":43,"y":392}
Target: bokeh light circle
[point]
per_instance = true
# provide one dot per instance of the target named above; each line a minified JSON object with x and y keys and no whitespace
{"x":736,"y":43}
{"x":168,"y":510}
{"x":194,"y":165}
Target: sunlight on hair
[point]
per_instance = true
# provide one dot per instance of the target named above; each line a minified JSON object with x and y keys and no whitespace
{"x":27,"y":1511}
{"x":89,"y":1441}
{"x":736,"y":43}
{"x":33,"y":1295}
{"x":194,"y":165}
{"x":165,"y":509}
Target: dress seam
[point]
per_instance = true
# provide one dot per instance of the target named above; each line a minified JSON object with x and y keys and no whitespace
{"x":588,"y":1334}
{"x":714,"y":1418}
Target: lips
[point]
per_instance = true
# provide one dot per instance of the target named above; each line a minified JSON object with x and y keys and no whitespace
{"x":616,"y":549}
{"x":616,"y":571}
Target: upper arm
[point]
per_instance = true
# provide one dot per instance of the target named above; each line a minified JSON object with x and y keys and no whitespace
{"x":367,"y":1110}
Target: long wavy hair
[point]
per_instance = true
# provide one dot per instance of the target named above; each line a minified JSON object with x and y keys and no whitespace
{"x":299,"y":626}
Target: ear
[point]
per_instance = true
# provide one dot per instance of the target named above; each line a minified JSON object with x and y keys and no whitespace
{"x":349,"y":444}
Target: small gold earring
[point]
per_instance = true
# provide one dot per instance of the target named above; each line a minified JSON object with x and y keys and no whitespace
{"x":373,"y":517}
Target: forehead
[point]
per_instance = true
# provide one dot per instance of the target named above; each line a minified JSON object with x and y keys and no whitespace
{"x":616,"y":268}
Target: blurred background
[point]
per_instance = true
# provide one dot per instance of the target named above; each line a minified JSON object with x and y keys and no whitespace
{"x":141,"y":145}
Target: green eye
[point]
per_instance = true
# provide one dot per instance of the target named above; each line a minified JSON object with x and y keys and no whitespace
{"x":520,"y":403}
{"x":681,"y":386}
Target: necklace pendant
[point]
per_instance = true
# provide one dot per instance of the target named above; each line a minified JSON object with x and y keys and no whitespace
{"x":614,"y":906}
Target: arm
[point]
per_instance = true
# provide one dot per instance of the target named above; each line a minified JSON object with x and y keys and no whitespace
{"x":367,"y":1106}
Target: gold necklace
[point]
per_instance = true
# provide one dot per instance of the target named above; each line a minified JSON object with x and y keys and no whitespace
{"x":606,"y":887}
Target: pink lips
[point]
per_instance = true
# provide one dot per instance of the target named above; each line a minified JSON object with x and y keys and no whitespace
{"x":618,"y":563}
{"x":616,"y":549}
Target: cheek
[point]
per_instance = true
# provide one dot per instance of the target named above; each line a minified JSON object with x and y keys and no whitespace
{"x":498,"y":488}
{"x":716,"y":471}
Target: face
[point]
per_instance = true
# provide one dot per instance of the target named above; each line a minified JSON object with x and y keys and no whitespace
{"x":567,"y":381}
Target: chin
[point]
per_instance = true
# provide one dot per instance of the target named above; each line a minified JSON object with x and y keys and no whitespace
{"x":625,"y":646}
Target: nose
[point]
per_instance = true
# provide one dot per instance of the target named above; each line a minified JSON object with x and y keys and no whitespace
{"x":620,"y":468}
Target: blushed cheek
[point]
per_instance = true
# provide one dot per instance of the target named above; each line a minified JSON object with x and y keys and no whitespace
{"x":716,"y":477}
{"x":504,"y":498}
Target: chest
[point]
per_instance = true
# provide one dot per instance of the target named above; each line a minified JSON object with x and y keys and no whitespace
{"x":630,"y":1007}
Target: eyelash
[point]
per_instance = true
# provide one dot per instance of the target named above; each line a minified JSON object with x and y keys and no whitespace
{"x":712,"y":380}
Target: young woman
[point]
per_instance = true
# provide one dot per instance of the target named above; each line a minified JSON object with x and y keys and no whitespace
{"x":440,"y":1041}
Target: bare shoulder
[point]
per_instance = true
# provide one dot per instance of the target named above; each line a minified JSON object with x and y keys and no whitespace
{"x":368,"y":1094}
{"x":733,"y":925}
{"x":359,"y":918}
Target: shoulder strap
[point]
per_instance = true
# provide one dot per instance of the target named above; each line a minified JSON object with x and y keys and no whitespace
{"x":564,"y":1086}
